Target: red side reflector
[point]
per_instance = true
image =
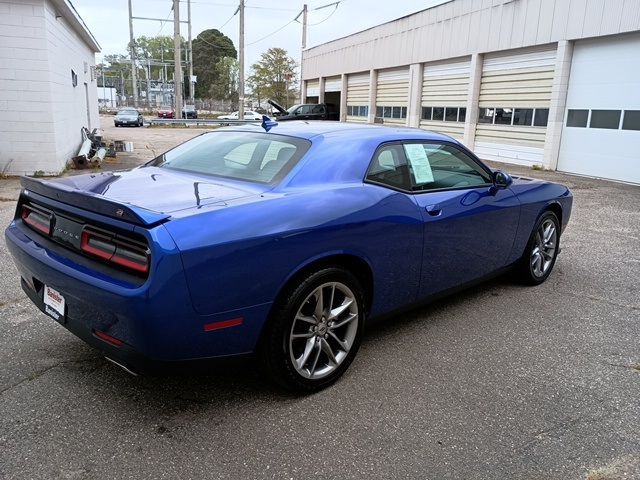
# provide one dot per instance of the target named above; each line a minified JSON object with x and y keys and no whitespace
{"x":108,"y":338}
{"x":234,"y":322}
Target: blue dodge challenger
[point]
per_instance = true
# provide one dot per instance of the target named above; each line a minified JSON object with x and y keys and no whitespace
{"x":281,"y":241}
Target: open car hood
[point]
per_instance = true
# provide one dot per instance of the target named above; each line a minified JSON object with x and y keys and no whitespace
{"x":277,"y":106}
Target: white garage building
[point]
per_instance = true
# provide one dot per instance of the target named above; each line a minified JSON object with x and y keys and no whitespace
{"x":47,"y":85}
{"x":554,"y":83}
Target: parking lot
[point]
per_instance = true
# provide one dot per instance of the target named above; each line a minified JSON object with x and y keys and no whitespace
{"x":498,"y":382}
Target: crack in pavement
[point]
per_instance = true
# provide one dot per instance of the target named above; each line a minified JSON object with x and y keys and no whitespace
{"x":42,"y":372}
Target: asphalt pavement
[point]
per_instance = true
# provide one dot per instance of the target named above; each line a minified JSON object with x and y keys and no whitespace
{"x":498,"y":382}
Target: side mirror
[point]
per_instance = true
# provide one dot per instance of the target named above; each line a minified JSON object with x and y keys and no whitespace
{"x":297,"y":112}
{"x":501,"y":180}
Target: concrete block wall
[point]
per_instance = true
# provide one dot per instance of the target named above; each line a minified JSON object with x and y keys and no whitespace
{"x":41,"y":113}
{"x":26,"y":120}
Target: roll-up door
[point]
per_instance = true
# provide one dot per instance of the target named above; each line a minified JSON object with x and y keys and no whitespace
{"x":445,"y":87}
{"x":601,"y":133}
{"x":515,"y":93}
{"x":333,"y":84}
{"x":313,"y":88}
{"x":392,"y":95}
{"x":358,"y":97}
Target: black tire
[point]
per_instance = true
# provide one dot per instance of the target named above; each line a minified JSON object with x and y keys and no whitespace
{"x":275,"y":352}
{"x":525,"y":270}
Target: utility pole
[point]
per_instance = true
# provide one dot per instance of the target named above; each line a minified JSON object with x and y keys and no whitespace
{"x":241,"y":65}
{"x":177,"y":56}
{"x":304,"y":45}
{"x":134,"y":74}
{"x":190,"y":56}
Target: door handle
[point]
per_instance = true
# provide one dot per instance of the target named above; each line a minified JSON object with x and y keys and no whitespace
{"x":433,"y":210}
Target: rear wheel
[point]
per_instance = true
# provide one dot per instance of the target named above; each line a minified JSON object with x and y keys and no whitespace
{"x":542,"y":250}
{"x":315,"y":332}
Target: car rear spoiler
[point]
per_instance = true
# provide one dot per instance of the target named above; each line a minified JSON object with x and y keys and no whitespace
{"x":64,"y":193}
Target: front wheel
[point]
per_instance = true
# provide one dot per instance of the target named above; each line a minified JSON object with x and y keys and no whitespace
{"x":315,"y":332}
{"x":542,"y":250}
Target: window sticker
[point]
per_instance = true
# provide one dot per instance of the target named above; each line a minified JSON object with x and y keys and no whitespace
{"x":419,"y":162}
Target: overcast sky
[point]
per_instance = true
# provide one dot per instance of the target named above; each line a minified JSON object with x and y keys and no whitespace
{"x":108,"y":20}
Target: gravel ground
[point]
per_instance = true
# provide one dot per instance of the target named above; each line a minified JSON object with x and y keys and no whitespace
{"x":500,"y":381}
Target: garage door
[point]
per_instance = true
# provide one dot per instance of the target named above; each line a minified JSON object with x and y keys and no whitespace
{"x":392,"y":95}
{"x":515,"y":94}
{"x":445,"y":88}
{"x":358,"y":97}
{"x":601,"y":135}
{"x":333,"y":84}
{"x":313,"y":88}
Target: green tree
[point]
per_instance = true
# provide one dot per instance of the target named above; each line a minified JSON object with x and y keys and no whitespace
{"x":226,"y":86}
{"x":208,"y":48}
{"x":160,"y":49}
{"x":274,"y":77}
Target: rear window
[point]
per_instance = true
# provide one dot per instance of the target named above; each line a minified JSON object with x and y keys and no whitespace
{"x":254,"y":157}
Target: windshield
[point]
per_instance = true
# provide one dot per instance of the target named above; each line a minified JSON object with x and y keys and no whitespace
{"x":291,"y":109}
{"x":127,"y":112}
{"x":254,"y":157}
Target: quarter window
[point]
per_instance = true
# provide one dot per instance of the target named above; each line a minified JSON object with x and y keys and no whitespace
{"x":389,"y":167}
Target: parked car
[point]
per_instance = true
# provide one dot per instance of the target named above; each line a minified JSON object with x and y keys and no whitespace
{"x":189,"y":111}
{"x":282,"y":243}
{"x":128,"y":116}
{"x":306,"y":111}
{"x":248,"y":115}
{"x":166,"y":112}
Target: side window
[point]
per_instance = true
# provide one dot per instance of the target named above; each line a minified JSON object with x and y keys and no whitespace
{"x":434,"y":166}
{"x":389,"y":167}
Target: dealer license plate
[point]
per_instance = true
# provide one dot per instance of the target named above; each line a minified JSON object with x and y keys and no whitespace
{"x":54,"y":303}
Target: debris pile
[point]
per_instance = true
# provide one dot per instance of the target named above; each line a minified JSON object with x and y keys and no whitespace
{"x":93,"y":150}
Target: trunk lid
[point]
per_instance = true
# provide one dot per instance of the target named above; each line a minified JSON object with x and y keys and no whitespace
{"x":144,"y":196}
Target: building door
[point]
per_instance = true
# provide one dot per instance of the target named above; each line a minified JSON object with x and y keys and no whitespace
{"x":601,"y":133}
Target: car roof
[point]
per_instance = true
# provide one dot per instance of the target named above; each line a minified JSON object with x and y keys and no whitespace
{"x":310,"y":129}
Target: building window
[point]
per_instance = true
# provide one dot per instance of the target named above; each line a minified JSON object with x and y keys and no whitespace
{"x":391,"y":112}
{"x":541,"y":118}
{"x":525,"y":117}
{"x":605,"y":119}
{"x":486,"y":115}
{"x":503,"y":116}
{"x":577,"y":118}
{"x":74,"y":78}
{"x":438,"y":113}
{"x":522,"y":116}
{"x":357,"y":110}
{"x":631,"y":120}
{"x":446,"y":114}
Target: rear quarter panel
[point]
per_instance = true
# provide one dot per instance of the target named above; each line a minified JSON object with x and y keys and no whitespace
{"x":241,"y":256}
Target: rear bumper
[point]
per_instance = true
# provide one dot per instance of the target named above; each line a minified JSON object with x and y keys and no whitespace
{"x":155,"y":322}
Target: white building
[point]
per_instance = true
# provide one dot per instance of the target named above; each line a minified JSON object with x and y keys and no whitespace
{"x":47,"y":85}
{"x":554,"y":83}
{"x":107,"y":97}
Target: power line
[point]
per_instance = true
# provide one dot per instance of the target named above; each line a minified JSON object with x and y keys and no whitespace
{"x":326,"y":18}
{"x":272,"y":33}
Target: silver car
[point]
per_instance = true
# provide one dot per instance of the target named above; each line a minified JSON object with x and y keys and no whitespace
{"x":128,"y":116}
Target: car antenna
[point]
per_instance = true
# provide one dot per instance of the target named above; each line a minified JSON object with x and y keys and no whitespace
{"x":267,"y":123}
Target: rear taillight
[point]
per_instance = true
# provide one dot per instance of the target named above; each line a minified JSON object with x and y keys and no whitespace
{"x":39,"y":220}
{"x":115,"y":249}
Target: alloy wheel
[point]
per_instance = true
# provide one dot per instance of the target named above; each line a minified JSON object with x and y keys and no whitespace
{"x":544,"y":248}
{"x":323,"y":330}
